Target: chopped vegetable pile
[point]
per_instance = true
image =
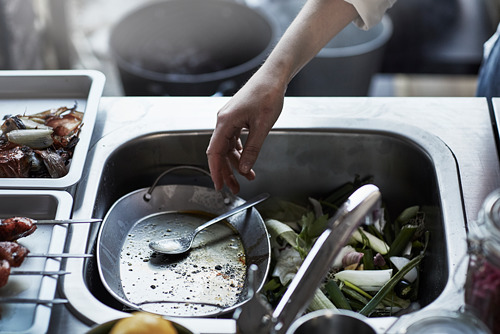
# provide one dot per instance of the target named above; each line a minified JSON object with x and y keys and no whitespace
{"x":376,"y":274}
{"x":39,"y":145}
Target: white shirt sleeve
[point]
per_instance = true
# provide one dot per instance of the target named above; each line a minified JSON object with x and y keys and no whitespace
{"x":370,"y":11}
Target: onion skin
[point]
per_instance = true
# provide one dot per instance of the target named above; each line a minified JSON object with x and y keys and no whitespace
{"x":12,"y":123}
{"x":352,"y":258}
{"x":64,"y":125}
{"x":379,"y":260}
{"x":54,"y":162}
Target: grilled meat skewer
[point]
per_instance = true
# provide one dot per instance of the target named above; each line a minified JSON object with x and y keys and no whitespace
{"x":5,"y":272}
{"x":13,"y":253}
{"x":17,"y":227}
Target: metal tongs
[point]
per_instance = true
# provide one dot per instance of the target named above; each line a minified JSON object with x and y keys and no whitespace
{"x":257,"y":317}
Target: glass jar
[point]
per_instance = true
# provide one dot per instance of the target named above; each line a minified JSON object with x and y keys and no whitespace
{"x":482,"y":287}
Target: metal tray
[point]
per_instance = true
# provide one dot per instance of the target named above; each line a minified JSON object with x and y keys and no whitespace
{"x":30,"y":92}
{"x":36,"y":204}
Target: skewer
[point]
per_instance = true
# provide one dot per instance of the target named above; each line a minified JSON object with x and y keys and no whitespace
{"x":14,"y":228}
{"x":65,"y":255}
{"x":66,"y":221}
{"x":39,"y":272}
{"x":15,"y":300}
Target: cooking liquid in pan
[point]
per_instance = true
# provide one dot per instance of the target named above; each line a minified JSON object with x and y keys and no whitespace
{"x":205,"y":280}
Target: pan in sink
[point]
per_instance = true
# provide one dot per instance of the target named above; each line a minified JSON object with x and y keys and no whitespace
{"x":210,"y":279}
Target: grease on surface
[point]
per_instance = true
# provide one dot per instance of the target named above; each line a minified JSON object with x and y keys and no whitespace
{"x":205,"y":280}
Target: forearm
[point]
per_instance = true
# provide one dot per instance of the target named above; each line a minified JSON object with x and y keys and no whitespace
{"x":315,"y":25}
{"x":258,"y":104}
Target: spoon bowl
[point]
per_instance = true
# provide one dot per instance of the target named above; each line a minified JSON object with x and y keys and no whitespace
{"x":178,"y":245}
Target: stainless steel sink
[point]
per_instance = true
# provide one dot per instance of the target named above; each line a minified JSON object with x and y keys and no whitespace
{"x":410,"y":166}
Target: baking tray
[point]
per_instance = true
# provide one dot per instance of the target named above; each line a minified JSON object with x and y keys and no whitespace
{"x":36,"y":204}
{"x":29,"y":92}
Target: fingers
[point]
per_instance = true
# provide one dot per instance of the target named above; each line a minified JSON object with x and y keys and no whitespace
{"x":251,"y":150}
{"x":222,"y":152}
{"x":229,"y":178}
{"x":216,"y":170}
{"x":235,"y":158}
{"x":248,"y":159}
{"x":221,"y":165}
{"x":225,"y":150}
{"x":216,"y":154}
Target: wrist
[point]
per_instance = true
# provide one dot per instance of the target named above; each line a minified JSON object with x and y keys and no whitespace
{"x":276,"y":74}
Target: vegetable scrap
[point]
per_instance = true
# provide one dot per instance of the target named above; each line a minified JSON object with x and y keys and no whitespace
{"x":375,"y":274}
{"x":39,"y":145}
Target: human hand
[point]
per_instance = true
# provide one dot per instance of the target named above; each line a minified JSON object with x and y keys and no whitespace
{"x":255,"y":107}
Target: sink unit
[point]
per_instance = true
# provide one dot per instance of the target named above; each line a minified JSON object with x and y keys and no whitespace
{"x":409,"y":165}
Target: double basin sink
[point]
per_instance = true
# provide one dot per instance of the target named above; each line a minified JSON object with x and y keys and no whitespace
{"x":409,"y":165}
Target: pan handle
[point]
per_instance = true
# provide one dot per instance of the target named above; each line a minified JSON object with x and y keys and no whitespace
{"x":148,"y":195}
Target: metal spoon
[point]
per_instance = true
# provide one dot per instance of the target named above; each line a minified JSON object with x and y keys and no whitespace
{"x":178,"y":245}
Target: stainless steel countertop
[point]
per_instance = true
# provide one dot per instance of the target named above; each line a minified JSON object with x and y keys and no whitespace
{"x":464,"y":124}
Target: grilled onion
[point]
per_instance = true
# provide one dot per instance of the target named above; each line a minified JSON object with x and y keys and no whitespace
{"x":34,"y":138}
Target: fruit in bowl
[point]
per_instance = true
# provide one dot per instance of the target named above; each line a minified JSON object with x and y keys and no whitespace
{"x":143,"y":322}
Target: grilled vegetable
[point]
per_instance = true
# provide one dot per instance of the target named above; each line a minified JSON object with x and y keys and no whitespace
{"x":12,"y":123}
{"x":14,"y":162}
{"x":52,"y":133}
{"x":33,"y":138}
{"x":54,"y":162}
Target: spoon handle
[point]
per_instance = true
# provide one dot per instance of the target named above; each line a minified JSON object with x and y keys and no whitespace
{"x":246,"y":205}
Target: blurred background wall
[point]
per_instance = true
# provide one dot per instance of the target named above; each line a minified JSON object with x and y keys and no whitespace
{"x":429,"y":37}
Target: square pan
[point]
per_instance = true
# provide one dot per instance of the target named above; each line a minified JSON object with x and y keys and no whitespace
{"x":36,"y":204}
{"x":35,"y":91}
